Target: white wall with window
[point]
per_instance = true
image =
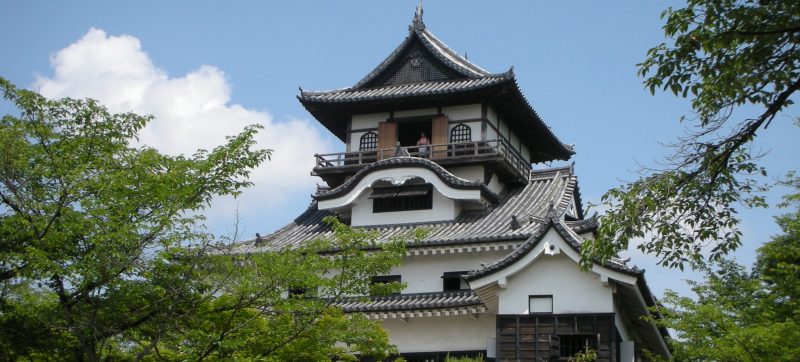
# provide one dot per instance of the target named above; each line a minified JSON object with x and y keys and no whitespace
{"x":363,"y":211}
{"x":464,"y":132}
{"x":572,"y":290}
{"x":424,"y":273}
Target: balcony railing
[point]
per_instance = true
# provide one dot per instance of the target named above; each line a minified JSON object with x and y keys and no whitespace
{"x":436,"y":152}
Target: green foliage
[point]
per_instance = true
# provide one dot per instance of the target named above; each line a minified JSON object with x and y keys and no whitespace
{"x":724,"y":54}
{"x":103,"y":254}
{"x":587,"y":355}
{"x":448,"y":358}
{"x":255,"y":319}
{"x":741,"y":316}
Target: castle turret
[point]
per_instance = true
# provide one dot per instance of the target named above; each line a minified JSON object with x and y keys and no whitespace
{"x":469,"y":115}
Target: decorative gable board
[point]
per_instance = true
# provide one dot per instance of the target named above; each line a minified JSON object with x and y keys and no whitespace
{"x":558,"y":275}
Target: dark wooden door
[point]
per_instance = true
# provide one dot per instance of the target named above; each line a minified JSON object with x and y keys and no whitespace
{"x":387,"y":138}
{"x":439,"y":137}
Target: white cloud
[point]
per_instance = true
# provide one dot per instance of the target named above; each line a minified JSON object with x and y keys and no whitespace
{"x":191,"y":111}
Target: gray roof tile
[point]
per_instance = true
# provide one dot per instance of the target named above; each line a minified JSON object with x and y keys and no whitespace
{"x":530,"y":203}
{"x":572,"y":239}
{"x":416,"y":301}
{"x":418,"y":31}
{"x":404,"y":90}
{"x":585,"y":225}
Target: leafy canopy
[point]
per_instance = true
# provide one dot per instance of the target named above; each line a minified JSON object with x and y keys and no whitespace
{"x":741,"y":316}
{"x":103,"y":254}
{"x":724,"y":54}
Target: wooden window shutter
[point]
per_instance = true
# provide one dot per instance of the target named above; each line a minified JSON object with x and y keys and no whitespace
{"x":387,"y":139}
{"x":439,"y":137}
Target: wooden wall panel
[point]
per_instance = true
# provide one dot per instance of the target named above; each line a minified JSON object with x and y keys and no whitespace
{"x":387,"y":139}
{"x":439,"y":136}
{"x":528,"y":337}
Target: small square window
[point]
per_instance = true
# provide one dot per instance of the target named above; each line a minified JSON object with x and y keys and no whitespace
{"x":452,"y":281}
{"x":540,"y":304}
{"x":385,"y":279}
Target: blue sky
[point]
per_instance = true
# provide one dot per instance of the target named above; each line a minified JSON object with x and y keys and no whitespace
{"x":206,"y":68}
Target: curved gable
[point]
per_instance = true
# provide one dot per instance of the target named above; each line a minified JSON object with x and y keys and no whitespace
{"x":536,"y":245}
{"x":378,"y":170}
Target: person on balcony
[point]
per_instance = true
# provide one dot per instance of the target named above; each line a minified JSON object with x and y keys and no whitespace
{"x":424,"y":145}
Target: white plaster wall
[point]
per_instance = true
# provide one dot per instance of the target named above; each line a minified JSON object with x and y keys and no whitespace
{"x":475,"y":134}
{"x":491,"y":134}
{"x":371,"y":120}
{"x":362,"y":215}
{"x":573,"y":291}
{"x":415,"y":112}
{"x":495,"y":184}
{"x":472,"y":173}
{"x":468,"y":111}
{"x":515,"y":142}
{"x":503,"y":129}
{"x":423,"y":273}
{"x":491,"y":115}
{"x":459,"y":333}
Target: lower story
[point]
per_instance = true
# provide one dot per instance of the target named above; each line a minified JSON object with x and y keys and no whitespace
{"x":527,"y":337}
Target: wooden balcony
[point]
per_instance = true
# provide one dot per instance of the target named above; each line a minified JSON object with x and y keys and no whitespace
{"x":497,"y":154}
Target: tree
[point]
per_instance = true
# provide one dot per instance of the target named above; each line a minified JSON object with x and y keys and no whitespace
{"x":253,"y":318}
{"x":103,"y":254}
{"x":741,"y":316}
{"x":725,"y":54}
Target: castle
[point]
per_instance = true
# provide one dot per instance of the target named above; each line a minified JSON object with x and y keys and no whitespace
{"x":497,"y":275}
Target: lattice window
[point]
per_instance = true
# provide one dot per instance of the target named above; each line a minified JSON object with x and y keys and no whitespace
{"x":369,"y":141}
{"x":461,"y":133}
{"x":404,"y":198}
{"x":417,"y":68}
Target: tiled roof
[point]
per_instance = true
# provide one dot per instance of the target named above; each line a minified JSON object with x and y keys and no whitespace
{"x":585,"y":225}
{"x":404,"y":90}
{"x":439,"y":77}
{"x":393,"y":162}
{"x":436,"y":47}
{"x":529,"y":203}
{"x":572,"y":239}
{"x":416,"y":301}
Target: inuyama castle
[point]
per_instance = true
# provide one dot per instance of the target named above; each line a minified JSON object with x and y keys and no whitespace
{"x":433,"y":140}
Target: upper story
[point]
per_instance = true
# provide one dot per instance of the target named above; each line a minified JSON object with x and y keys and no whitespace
{"x":469,"y":116}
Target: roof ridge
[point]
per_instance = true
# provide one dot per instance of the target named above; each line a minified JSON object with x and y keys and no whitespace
{"x":431,"y":40}
{"x":552,"y":169}
{"x":570,"y":237}
{"x":434,"y":45}
{"x":502,"y":76}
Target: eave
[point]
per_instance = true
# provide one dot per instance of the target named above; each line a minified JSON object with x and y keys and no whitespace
{"x":334,"y":109}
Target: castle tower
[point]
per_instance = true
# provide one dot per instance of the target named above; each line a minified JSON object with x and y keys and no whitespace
{"x":497,"y":274}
